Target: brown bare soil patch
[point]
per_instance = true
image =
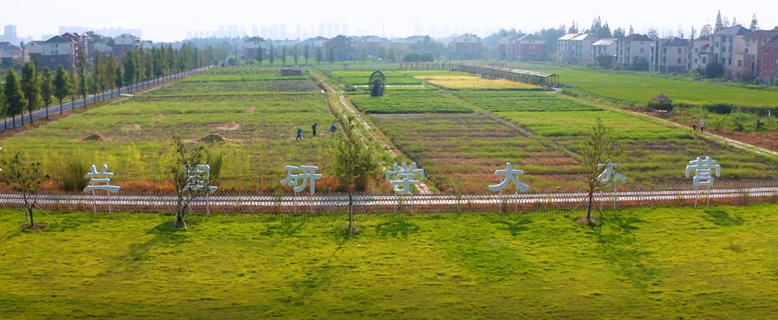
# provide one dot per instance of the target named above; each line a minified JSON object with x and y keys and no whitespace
{"x":133,"y":126}
{"x":213,"y":137}
{"x":588,"y":222}
{"x":767,"y":140}
{"x":230,"y":126}
{"x":158,"y":117}
{"x":250,"y":110}
{"x":94,"y":137}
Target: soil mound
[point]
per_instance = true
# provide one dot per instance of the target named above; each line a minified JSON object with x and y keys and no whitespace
{"x":213,"y":137}
{"x":133,"y":126}
{"x":158,"y":117}
{"x":229,"y":126}
{"x":94,"y":137}
{"x":251,"y":110}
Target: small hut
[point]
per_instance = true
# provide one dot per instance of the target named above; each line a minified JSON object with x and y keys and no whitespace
{"x":661,"y":102}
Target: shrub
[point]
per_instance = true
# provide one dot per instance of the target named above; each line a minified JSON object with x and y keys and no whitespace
{"x":714,"y":70}
{"x":719,"y":108}
{"x":72,"y":174}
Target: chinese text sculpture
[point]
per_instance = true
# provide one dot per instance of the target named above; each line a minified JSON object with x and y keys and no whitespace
{"x":510,"y":176}
{"x":405,"y":177}
{"x":299,"y":181}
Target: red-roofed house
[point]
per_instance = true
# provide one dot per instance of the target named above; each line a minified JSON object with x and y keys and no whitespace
{"x":768,"y":60}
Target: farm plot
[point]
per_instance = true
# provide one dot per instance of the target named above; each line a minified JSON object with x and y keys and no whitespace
{"x":363,"y":77}
{"x":460,"y":152}
{"x":411,"y":101}
{"x":523,"y":101}
{"x":254,"y":133}
{"x":459,"y":82}
{"x":655,"y":153}
{"x":236,"y":87}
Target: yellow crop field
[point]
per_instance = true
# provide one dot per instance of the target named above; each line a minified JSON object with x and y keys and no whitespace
{"x":473,"y":82}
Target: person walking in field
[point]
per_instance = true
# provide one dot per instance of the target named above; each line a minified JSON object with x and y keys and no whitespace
{"x":333,"y":128}
{"x":313,"y":127}
{"x":694,"y":124}
{"x":702,"y":126}
{"x":299,"y":133}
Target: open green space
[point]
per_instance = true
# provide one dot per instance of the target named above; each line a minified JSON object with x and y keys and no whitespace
{"x":411,"y":101}
{"x":662,"y":263}
{"x":240,"y":77}
{"x":220,"y":87}
{"x":639,"y":89}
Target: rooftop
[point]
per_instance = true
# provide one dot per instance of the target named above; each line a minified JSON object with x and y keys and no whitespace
{"x":737,"y":30}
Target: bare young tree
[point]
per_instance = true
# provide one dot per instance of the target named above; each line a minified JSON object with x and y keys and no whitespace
{"x":25,"y":178}
{"x":596,"y":149}
{"x":189,"y":182}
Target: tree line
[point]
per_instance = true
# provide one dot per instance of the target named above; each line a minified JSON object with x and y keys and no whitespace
{"x":34,"y":89}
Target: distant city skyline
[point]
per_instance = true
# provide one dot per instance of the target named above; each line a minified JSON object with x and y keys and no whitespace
{"x":170,"y":21}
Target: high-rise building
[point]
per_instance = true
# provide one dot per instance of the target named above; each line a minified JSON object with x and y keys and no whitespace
{"x":10,"y":34}
{"x":345,"y":29}
{"x":329,"y":30}
{"x":282,"y":31}
{"x":263,"y":32}
{"x":336,"y":30}
{"x":322,"y":29}
{"x":254,"y":31}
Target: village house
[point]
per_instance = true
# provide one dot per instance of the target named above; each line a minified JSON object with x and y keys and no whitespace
{"x":35,"y":50}
{"x":10,"y":52}
{"x":633,"y":48}
{"x":314,"y":45}
{"x":582,"y":47}
{"x":604,"y":46}
{"x":124,"y":43}
{"x":754,"y":42}
{"x":564,"y":48}
{"x":669,"y":55}
{"x":728,"y":49}
{"x":342,"y":47}
{"x":466,"y":46}
{"x":80,"y":42}
{"x":58,"y":51}
{"x":251,"y":47}
{"x":699,"y":54}
{"x":523,"y":47}
{"x":768,"y":56}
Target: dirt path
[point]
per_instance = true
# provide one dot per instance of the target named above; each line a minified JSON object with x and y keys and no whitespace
{"x":344,"y":107}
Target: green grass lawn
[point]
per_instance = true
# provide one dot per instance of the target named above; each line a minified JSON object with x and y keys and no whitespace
{"x":664,"y":263}
{"x":411,"y":101}
{"x":639,"y":89}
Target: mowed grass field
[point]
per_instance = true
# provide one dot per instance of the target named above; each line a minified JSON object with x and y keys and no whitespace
{"x":639,"y":89}
{"x":662,"y":263}
{"x":254,"y":122}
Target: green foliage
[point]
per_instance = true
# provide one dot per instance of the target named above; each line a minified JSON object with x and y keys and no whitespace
{"x":595,"y":149}
{"x":47,"y":87}
{"x":331,"y":55}
{"x":24,"y":176}
{"x":604,"y":60}
{"x":73,"y":171}
{"x":411,"y":102}
{"x":283,"y":55}
{"x":271,"y":55}
{"x":31,"y":86}
{"x":189,"y":185}
{"x":319,"y":56}
{"x":14,"y":96}
{"x":354,"y":158}
{"x":714,"y":70}
{"x":62,"y":85}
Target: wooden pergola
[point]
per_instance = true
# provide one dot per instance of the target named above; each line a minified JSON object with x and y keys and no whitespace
{"x":661,"y":102}
{"x":532,"y":77}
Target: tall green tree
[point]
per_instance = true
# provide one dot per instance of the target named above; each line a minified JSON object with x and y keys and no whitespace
{"x":392,"y":54}
{"x":83,"y":86}
{"x":98,"y":74}
{"x":283,"y":55}
{"x":62,"y":86}
{"x":754,"y":23}
{"x":47,"y":89}
{"x":307,"y":52}
{"x":119,"y":82}
{"x":619,"y":33}
{"x":31,"y":86}
{"x":129,"y":70}
{"x":260,"y":55}
{"x":331,"y":55}
{"x":719,"y":23}
{"x":296,"y":54}
{"x":73,"y":87}
{"x":597,"y":148}
{"x":3,"y":106}
{"x":14,"y":96}
{"x":319,"y":56}
{"x":110,"y":72}
{"x":354,"y":161}
{"x":272,"y":55}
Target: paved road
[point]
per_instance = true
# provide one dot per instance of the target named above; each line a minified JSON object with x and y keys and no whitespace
{"x":90,"y":99}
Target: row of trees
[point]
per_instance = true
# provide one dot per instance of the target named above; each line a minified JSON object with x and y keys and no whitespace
{"x":33,"y":89}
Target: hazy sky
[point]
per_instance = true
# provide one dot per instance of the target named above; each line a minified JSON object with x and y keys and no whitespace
{"x":169,"y":20}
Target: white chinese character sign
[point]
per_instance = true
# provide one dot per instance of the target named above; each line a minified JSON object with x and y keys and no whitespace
{"x":100,"y":181}
{"x":703,"y":173}
{"x":510,"y":176}
{"x":404,"y":177}
{"x":608,"y":176}
{"x":301,"y":180}
{"x":198,"y":178}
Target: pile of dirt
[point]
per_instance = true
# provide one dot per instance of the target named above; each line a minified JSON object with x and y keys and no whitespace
{"x":230,"y":126}
{"x":94,"y":137}
{"x":213,"y":137}
{"x":251,"y":110}
{"x":158,"y":117}
{"x":133,"y":126}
